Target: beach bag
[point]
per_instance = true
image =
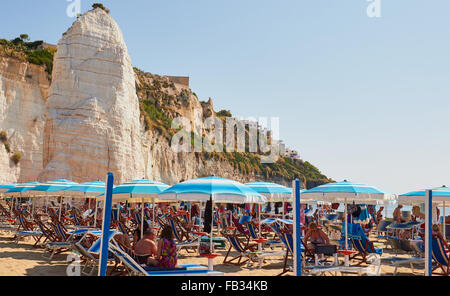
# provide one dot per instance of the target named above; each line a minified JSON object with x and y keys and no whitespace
{"x":204,"y":248}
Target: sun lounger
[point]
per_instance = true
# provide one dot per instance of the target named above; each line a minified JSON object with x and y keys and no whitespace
{"x":91,"y":256}
{"x":136,"y":269}
{"x":399,"y":261}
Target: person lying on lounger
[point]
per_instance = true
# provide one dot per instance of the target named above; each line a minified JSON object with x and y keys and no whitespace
{"x":146,"y":247}
{"x":317,"y":237}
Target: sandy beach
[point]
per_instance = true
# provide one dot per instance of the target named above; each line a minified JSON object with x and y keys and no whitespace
{"x":22,"y":259}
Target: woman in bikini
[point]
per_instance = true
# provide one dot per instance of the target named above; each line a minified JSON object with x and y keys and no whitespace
{"x":317,"y":236}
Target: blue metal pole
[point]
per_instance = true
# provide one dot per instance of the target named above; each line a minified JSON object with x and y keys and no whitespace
{"x":103,"y":263}
{"x":428,"y":232}
{"x":298,"y":233}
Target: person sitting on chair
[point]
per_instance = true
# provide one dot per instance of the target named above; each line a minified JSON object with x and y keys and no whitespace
{"x":436,"y":232}
{"x":166,"y":254}
{"x":146,"y":247}
{"x":317,"y":236}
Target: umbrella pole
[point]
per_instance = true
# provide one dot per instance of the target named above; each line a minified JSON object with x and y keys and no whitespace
{"x":211,"y":247}
{"x":142,"y":220}
{"x":89,"y":210}
{"x":346,"y":228}
{"x":444,"y":222}
{"x":153,"y":222}
{"x":259,"y":220}
{"x":95,"y":214}
{"x":60,"y":209}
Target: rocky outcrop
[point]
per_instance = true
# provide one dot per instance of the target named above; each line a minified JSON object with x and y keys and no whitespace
{"x":100,"y":115}
{"x":23,"y":92}
{"x":92,"y":125}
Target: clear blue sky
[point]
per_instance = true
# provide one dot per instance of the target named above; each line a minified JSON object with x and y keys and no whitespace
{"x":363,"y":99}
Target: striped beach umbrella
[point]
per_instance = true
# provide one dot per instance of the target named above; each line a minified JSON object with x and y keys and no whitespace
{"x":6,"y":187}
{"x":20,"y":189}
{"x":217,"y":189}
{"x":139,"y":191}
{"x":85,"y":190}
{"x":213,"y":189}
{"x":441,"y":195}
{"x":56,"y":187}
{"x":272,"y":191}
{"x":348,"y":192}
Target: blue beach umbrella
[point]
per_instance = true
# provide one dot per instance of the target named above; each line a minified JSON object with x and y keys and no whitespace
{"x":56,"y":187}
{"x":85,"y":190}
{"x":441,"y":195}
{"x":215,"y":189}
{"x":348,"y":192}
{"x":6,"y":187}
{"x":139,"y":191}
{"x":53,"y":188}
{"x":20,"y":189}
{"x":274,"y":192}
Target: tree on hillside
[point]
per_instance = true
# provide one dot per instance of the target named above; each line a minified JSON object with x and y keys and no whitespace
{"x":224,"y":113}
{"x":101,"y":6}
{"x":24,"y":37}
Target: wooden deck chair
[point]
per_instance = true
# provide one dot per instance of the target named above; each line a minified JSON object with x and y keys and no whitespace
{"x":184,"y":239}
{"x":440,"y":256}
{"x":27,"y":230}
{"x":238,"y":245}
{"x":361,"y":244}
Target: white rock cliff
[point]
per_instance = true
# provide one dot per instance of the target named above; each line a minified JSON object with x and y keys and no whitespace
{"x":92,"y":125}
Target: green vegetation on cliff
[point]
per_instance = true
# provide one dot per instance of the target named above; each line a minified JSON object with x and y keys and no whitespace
{"x":32,"y":52}
{"x":156,"y":94}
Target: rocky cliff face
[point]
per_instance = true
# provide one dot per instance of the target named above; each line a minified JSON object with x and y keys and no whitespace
{"x":92,"y":124}
{"x":23,"y":93}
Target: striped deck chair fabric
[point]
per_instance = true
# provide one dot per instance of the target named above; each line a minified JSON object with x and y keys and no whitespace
{"x":27,"y":231}
{"x":440,"y":256}
{"x":183,"y":240}
{"x":243,"y":250}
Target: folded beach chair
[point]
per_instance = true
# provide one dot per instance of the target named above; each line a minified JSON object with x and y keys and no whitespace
{"x":135,"y":269}
{"x":440,"y":256}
